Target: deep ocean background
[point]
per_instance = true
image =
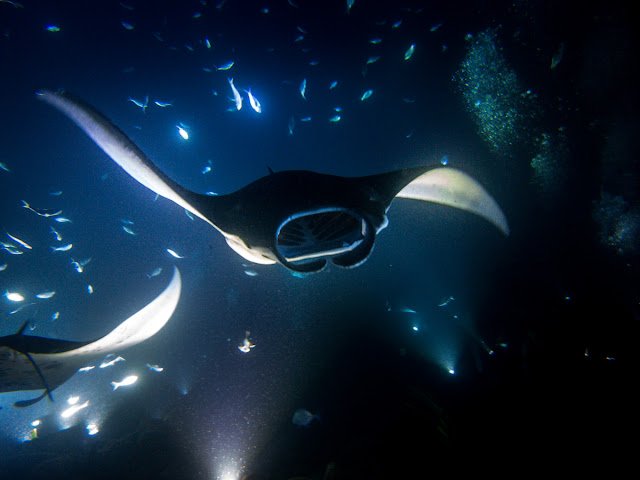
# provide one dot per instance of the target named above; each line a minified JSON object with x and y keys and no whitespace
{"x":556,"y":302}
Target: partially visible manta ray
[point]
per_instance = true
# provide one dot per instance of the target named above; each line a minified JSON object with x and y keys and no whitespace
{"x":297,"y":218}
{"x":32,"y":363}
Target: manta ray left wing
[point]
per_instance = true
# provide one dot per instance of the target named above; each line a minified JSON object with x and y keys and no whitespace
{"x":299,"y":219}
{"x":30,"y":362}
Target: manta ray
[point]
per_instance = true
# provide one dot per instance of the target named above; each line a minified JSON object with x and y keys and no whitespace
{"x":30,"y":363}
{"x":300,"y":219}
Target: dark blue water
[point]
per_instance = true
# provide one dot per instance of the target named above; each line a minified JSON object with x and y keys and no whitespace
{"x":536,"y":350}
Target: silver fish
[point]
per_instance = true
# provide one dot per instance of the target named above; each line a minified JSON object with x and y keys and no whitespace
{"x":46,"y":295}
{"x":237,"y":98}
{"x":21,"y":242}
{"x":43,"y":212}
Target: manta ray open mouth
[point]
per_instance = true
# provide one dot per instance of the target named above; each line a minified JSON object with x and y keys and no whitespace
{"x":336,"y":232}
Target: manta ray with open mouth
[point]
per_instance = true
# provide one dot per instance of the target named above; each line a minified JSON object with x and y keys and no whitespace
{"x":300,"y":219}
{"x":31,"y":363}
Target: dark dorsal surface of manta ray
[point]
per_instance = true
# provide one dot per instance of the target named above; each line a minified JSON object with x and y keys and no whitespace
{"x":299,"y":219}
{"x":31,"y":363}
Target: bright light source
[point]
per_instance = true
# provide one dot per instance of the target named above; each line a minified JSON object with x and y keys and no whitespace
{"x":451,"y":371}
{"x":36,"y":423}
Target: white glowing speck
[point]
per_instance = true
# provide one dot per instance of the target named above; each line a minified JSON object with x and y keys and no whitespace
{"x":92,"y":429}
{"x":72,"y":400}
{"x":183,"y":133}
{"x":36,"y":423}
{"x":414,"y":328}
{"x":451,"y":371}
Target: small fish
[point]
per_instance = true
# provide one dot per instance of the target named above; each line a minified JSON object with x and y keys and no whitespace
{"x":21,"y":242}
{"x":305,"y":119}
{"x":207,"y":43}
{"x":375,"y":41}
{"x":87,"y":368}
{"x":11,"y":249}
{"x":396,"y":24}
{"x":335,"y":119}
{"x":407,"y":310}
{"x":128,"y":230}
{"x":138,"y":103}
{"x":163,"y":104}
{"x":350,"y":5}
{"x":55,"y":316}
{"x":255,"y":104}
{"x":303,"y":417}
{"x":237,"y":98}
{"x":155,"y":368}
{"x":4,"y":167}
{"x":291,"y":125}
{"x":125,"y":382}
{"x":12,"y":312}
{"x":89,"y":289}
{"x":127,"y":25}
{"x":46,"y":295}
{"x":251,"y":273}
{"x":247,"y":344}
{"x":61,"y":219}
{"x":225,"y":66}
{"x":409,"y":53}
{"x":182,"y":132}
{"x":55,"y":233}
{"x":3,"y":267}
{"x":303,"y":88}
{"x":55,"y":193}
{"x":435,"y":28}
{"x":446,"y":301}
{"x":365,"y":95}
{"x":173,"y":253}
{"x":52,"y":28}
{"x":189,"y":214}
{"x":14,"y":296}
{"x":69,"y":412}
{"x":333,"y":85}
{"x":155,"y":272}
{"x":207,"y":168}
{"x":43,"y":212}
{"x":112,"y":360}
{"x":444,"y":160}
{"x":77,"y":266}
{"x":373,"y":59}
{"x":63,"y":248}
{"x":126,"y":221}
{"x":557,"y":57}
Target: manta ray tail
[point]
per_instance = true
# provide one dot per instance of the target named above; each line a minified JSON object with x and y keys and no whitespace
{"x":44,"y":380}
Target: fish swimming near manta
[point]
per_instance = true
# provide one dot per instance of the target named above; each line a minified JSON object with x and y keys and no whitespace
{"x":32,"y":363}
{"x":300,"y":219}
